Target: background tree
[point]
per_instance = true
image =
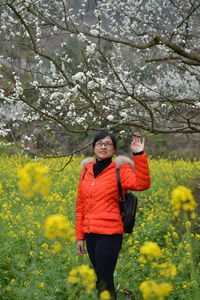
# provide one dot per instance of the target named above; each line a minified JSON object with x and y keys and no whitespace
{"x":74,"y":67}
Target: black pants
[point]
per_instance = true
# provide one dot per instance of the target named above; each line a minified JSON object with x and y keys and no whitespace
{"x":103,"y":251}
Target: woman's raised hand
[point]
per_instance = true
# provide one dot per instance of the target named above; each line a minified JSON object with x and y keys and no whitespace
{"x":137,"y":145}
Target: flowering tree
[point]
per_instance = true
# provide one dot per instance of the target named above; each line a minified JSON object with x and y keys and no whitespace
{"x":93,"y":64}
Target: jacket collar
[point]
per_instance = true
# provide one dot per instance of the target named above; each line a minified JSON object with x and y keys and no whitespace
{"x":119,"y":161}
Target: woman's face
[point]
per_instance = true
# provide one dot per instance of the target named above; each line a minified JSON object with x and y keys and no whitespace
{"x":104,"y":148}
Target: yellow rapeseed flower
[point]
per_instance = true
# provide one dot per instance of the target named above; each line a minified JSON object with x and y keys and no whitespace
{"x":85,"y":276}
{"x":26,"y":282}
{"x":148,"y":289}
{"x":105,"y":295}
{"x":188,"y":224}
{"x":193,"y":215}
{"x":182,"y":199}
{"x":197,"y":236}
{"x":163,"y":290}
{"x":31,"y":234}
{"x":13,"y":281}
{"x":130,"y":240}
{"x":152,"y":289}
{"x":57,"y":247}
{"x":142,"y":259}
{"x":73,"y":276}
{"x":33,"y":180}
{"x":41,"y":285}
{"x":174,"y":234}
{"x":150,"y":250}
{"x":167,"y":270}
{"x":58,"y":226}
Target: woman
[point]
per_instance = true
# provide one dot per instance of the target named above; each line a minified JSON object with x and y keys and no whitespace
{"x":98,"y":219}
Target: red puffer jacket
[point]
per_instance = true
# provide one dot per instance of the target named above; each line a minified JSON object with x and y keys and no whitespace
{"x":97,"y":206}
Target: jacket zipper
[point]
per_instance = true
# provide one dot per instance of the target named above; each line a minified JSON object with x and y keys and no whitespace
{"x":93,"y":182}
{"x":91,"y":199}
{"x":92,"y":185}
{"x":91,"y":192}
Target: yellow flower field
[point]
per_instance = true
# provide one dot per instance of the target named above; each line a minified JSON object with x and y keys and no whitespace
{"x":38,"y":259}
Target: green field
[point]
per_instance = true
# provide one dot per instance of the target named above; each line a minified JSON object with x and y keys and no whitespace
{"x":160,"y":260}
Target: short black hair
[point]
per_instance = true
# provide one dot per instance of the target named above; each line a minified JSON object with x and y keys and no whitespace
{"x":101,"y":135}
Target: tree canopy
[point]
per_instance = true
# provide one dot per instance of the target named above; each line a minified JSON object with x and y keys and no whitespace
{"x":78,"y":66}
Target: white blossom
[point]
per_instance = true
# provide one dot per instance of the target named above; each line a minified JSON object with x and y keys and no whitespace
{"x":92,"y":85}
{"x":122,"y":132}
{"x":40,"y":63}
{"x":90,"y":48}
{"x":102,"y":81}
{"x":27,"y":138}
{"x":163,"y":105}
{"x":94,"y":32}
{"x":89,"y":74}
{"x":80,"y":76}
{"x":91,"y":58}
{"x":197,"y":104}
{"x":55,"y":28}
{"x":123,"y":114}
{"x":110,"y":117}
{"x":81,"y":37}
{"x":80,"y":120}
{"x":105,"y":107}
{"x":67,"y":96}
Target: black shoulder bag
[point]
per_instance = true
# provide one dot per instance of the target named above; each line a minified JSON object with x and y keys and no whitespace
{"x":128,"y":206}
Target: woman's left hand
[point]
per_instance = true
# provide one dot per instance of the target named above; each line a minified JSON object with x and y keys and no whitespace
{"x":137,"y":145}
{"x":80,"y":247}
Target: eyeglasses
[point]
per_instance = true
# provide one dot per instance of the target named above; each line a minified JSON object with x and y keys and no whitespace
{"x":106,"y":144}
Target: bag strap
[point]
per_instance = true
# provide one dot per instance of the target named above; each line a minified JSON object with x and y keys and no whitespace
{"x":119,"y":184}
{"x":84,"y":174}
